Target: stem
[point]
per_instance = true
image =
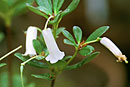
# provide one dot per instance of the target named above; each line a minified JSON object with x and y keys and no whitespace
{"x":55,"y":26}
{"x":10,"y":52}
{"x":93,"y":41}
{"x":75,"y":54}
{"x":9,"y":47}
{"x":28,"y":60}
{"x":53,"y":82}
{"x":22,"y":67}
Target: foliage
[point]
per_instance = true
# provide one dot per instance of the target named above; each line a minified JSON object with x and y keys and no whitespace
{"x":12,"y":8}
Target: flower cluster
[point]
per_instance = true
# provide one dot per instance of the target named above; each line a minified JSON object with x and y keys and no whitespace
{"x":54,"y":53}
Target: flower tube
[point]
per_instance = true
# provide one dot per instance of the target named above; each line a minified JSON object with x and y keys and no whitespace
{"x":114,"y":49}
{"x":30,"y":36}
{"x":54,"y":53}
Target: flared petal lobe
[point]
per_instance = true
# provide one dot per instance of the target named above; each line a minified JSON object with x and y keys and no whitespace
{"x":54,"y":53}
{"x":30,"y":36}
{"x":114,"y":49}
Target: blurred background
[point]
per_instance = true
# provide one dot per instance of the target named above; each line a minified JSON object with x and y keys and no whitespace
{"x":103,"y":71}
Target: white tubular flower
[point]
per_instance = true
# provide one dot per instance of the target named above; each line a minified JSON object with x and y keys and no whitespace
{"x":30,"y":36}
{"x":114,"y":49}
{"x":54,"y":53}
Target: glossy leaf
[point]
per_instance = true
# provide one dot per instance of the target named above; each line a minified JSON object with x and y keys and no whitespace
{"x":86,"y":50}
{"x":73,"y":5}
{"x":45,"y":5}
{"x":83,"y":62}
{"x":68,"y":36}
{"x":77,"y":33}
{"x":46,"y":76}
{"x":34,"y":63}
{"x":99,"y":32}
{"x":57,"y":4}
{"x":2,"y":64}
{"x":37,"y":46}
{"x":36,"y":10}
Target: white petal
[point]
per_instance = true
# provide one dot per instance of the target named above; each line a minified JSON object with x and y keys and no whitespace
{"x":114,"y":49}
{"x":54,"y":53}
{"x":111,"y":46}
{"x":30,"y":36}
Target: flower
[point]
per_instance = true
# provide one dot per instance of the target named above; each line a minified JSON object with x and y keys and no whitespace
{"x":30,"y":36}
{"x":54,"y":53}
{"x":114,"y":49}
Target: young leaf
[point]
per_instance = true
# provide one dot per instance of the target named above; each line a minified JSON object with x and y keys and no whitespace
{"x":37,"y":46}
{"x":2,"y":64}
{"x":69,"y":36}
{"x":34,"y":63}
{"x":73,"y":5}
{"x":46,"y":76}
{"x":77,"y":33}
{"x":57,"y":5}
{"x":86,"y":50}
{"x":99,"y":32}
{"x":83,"y":62}
{"x":36,"y":10}
{"x":45,"y":5}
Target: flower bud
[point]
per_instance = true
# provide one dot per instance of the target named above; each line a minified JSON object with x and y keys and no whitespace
{"x":114,"y":49}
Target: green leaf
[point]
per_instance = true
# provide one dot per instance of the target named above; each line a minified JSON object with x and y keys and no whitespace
{"x":57,"y":4}
{"x":38,"y":46}
{"x":46,"y":76}
{"x":99,"y":32}
{"x":86,"y":50}
{"x":19,"y":7}
{"x":77,"y":33}
{"x":83,"y":62}
{"x":34,"y":63}
{"x":69,"y":36}
{"x":67,"y":57}
{"x":36,"y":10}
{"x":45,"y":5}
{"x":2,"y":64}
{"x":59,"y":66}
{"x":56,"y":19}
{"x":66,"y":41}
{"x":73,"y":5}
{"x":59,"y":30}
{"x":40,"y":57}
